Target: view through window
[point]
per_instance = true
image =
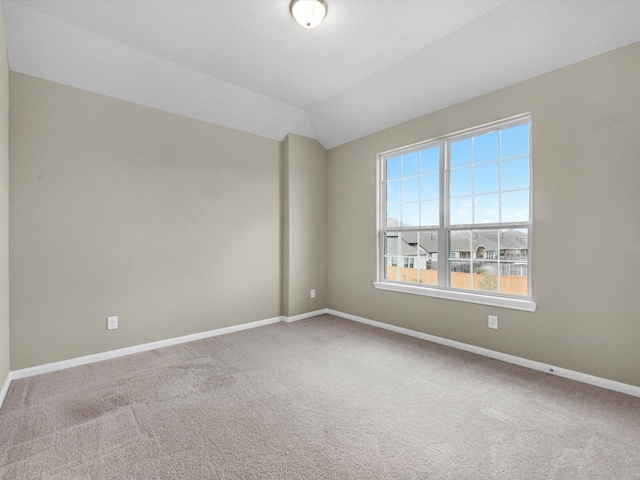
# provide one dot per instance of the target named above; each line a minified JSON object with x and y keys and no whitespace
{"x":456,"y":212}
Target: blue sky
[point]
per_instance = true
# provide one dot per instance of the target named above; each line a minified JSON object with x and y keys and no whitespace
{"x":489,"y":180}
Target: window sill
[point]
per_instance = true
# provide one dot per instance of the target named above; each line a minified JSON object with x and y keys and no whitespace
{"x":503,"y":302}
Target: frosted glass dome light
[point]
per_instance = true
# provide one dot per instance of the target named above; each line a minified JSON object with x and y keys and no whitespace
{"x":308,"y":13}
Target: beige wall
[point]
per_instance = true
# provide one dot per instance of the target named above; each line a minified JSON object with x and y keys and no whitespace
{"x":179,"y":226}
{"x":586,"y":193}
{"x":304,"y":225}
{"x":4,"y":207}
{"x":117,"y":209}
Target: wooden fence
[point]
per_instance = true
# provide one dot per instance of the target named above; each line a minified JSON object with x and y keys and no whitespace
{"x":481,"y":282}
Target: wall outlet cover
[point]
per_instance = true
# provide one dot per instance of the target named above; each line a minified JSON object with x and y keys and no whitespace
{"x":112,"y":323}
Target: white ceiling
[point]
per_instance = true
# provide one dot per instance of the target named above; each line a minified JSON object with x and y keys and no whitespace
{"x":247,"y":65}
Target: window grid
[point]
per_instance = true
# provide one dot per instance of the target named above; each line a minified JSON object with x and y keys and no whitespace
{"x":484,"y":266}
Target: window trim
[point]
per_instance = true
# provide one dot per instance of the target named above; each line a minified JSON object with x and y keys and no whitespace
{"x":525,"y":303}
{"x":513,"y":303}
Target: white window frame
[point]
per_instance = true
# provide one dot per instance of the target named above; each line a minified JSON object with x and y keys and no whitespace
{"x":443,"y":290}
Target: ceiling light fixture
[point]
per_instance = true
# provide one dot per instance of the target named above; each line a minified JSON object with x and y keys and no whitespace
{"x":308,"y":13}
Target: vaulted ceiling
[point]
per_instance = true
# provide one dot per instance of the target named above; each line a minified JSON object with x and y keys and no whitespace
{"x":247,"y":65}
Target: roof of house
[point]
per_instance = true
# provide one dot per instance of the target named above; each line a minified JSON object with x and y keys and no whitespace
{"x":406,"y":249}
{"x":461,"y":240}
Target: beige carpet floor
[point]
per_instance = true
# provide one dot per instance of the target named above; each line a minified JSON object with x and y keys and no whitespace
{"x":323,"y":398}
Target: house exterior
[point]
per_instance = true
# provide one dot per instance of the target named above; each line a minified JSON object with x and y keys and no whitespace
{"x":489,"y":250}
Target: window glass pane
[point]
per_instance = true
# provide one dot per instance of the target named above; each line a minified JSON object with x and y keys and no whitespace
{"x":515,"y":141}
{"x":408,"y":272}
{"x":393,"y":168}
{"x":429,"y":243}
{"x":460,"y":244}
{"x":427,"y":263}
{"x":460,"y":153}
{"x":513,"y":261}
{"x":410,"y":164}
{"x":410,"y":214}
{"x":429,"y":213}
{"x":460,"y":210}
{"x":514,"y":244}
{"x":515,"y":206}
{"x":460,"y":183}
{"x":411,"y":189}
{"x":394,"y":214}
{"x":430,"y":160}
{"x":515,"y":174}
{"x":486,"y":178}
{"x":391,"y":255}
{"x":429,"y":187}
{"x":485,"y":244}
{"x":459,"y":274}
{"x":485,"y":276}
{"x":486,"y":209}
{"x":406,"y":250}
{"x":486,"y":147}
{"x":393,"y":192}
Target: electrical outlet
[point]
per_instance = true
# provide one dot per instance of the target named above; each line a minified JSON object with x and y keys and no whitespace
{"x":313,"y":293}
{"x":493,"y":321}
{"x":112,"y":322}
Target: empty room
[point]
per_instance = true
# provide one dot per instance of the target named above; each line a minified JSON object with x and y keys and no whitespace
{"x":319,"y":239}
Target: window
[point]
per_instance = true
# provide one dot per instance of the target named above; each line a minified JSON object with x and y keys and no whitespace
{"x":456,"y":212}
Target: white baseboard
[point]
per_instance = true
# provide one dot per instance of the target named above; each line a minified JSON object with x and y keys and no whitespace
{"x":5,"y":388}
{"x":75,"y":362}
{"x":302,"y":316}
{"x":523,"y":362}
